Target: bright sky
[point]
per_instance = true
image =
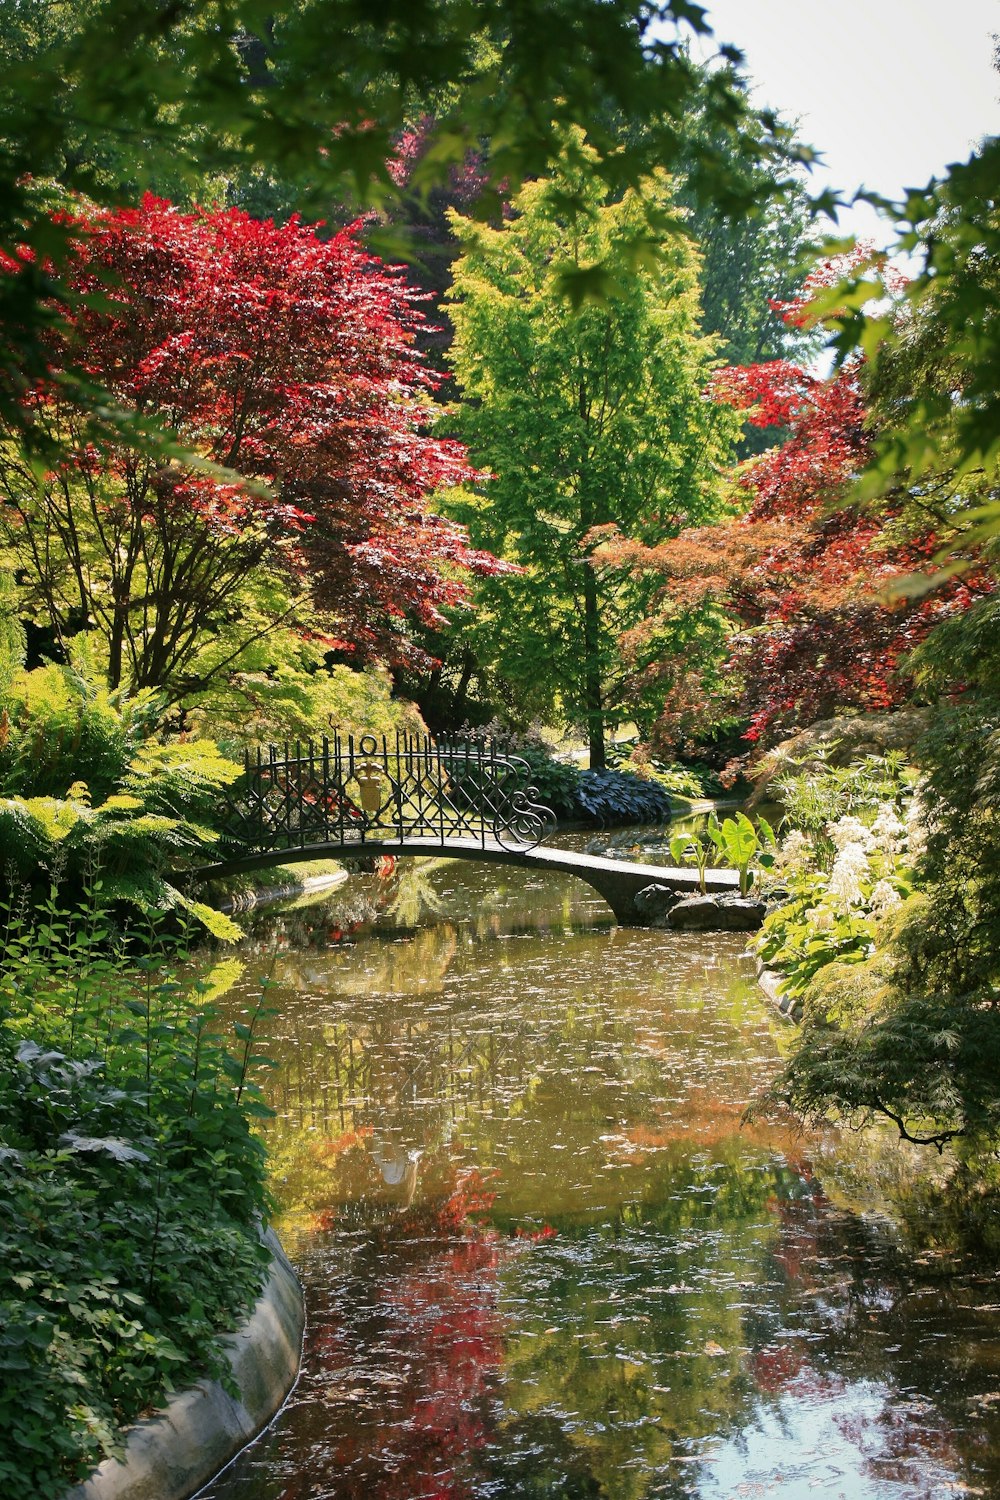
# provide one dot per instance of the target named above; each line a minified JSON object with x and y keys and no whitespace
{"x":888,"y":91}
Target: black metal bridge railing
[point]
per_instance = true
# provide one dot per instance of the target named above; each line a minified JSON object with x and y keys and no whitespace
{"x":349,"y":792}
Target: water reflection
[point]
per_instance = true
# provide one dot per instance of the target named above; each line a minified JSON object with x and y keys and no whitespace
{"x":541,"y":1256}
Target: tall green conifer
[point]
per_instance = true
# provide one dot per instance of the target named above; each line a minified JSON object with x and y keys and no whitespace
{"x":588,"y":417}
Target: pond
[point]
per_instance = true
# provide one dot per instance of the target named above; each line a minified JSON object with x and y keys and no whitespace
{"x":541,"y":1255}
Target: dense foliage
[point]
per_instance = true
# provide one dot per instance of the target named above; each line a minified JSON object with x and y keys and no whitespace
{"x":130,"y":1192}
{"x":783,"y":608}
{"x":270,"y":351}
{"x":578,"y":795}
{"x":902,"y":1018}
{"x":88,"y":793}
{"x":219,"y":477}
{"x":297,"y":106}
{"x":609,"y":797}
{"x":585,"y":418}
{"x":938,"y":362}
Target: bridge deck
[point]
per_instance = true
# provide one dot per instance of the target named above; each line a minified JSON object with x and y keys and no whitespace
{"x":617,"y":880}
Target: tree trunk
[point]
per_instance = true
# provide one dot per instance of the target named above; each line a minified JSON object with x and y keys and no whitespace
{"x":592,"y":692}
{"x":461,"y":691}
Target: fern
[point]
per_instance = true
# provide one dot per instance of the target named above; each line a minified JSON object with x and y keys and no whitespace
{"x":132,"y":838}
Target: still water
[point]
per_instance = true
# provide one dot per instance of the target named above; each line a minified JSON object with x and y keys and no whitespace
{"x":541,"y":1256}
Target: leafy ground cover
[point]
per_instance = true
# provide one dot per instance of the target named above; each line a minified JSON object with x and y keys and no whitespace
{"x":131,"y":1191}
{"x":852,"y":835}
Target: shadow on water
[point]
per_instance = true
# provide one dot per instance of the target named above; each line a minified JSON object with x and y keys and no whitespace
{"x":541,"y":1256}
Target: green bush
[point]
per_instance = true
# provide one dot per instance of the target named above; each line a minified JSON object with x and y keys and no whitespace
{"x":613,"y":797}
{"x":913,"y":1034}
{"x":129,"y":844}
{"x":555,"y":781}
{"x":677,"y":780}
{"x":816,"y":797}
{"x":284,"y":690}
{"x":605,"y":798}
{"x":845,"y":863}
{"x":58,"y":727}
{"x":131,"y":1189}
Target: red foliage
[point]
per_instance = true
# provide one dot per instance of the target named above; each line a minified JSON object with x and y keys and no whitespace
{"x":801,"y":572}
{"x":401,"y":1376}
{"x":289,"y":358}
{"x":466,"y":181}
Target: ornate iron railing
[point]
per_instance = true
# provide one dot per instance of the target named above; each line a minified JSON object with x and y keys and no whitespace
{"x":349,"y":792}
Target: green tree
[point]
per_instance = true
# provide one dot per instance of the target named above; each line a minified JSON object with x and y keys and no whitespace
{"x":588,"y":418}
{"x":754,"y":259}
{"x":299,"y":104}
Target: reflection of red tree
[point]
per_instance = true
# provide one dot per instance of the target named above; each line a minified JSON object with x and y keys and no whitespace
{"x":786,"y":1369}
{"x":906,"y":1447}
{"x":346,"y":1141}
{"x":776,"y":1365}
{"x":402,"y":1378}
{"x":801,"y":1222}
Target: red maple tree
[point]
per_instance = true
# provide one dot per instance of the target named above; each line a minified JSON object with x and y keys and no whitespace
{"x":801,"y":577}
{"x":273,"y":352}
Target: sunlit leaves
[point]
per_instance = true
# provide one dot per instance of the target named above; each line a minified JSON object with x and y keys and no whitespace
{"x":940,"y":350}
{"x":109,"y":99}
{"x":265,"y":349}
{"x":814,"y":587}
{"x":580,"y":359}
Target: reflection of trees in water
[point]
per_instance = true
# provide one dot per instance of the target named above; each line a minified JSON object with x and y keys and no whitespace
{"x":855,"y":1303}
{"x":402,"y":1348}
{"x":699,"y":1282}
{"x":397,"y":1085}
{"x":393,"y":1040}
{"x":632,"y":1359}
{"x":312,"y":922}
{"x":415,"y":895}
{"x":408,"y":1077}
{"x":735,"y":1297}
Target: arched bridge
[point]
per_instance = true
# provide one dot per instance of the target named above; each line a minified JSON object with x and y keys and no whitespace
{"x":462,"y":798}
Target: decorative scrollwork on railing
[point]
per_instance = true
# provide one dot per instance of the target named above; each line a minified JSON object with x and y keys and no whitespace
{"x":351,"y":791}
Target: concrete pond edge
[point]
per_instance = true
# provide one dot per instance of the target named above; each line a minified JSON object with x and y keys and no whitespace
{"x":174,"y":1453}
{"x":790,"y":1006}
{"x":242,"y":902}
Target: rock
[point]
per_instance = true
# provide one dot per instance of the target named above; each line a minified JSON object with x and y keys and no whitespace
{"x":654,"y":902}
{"x":716,"y":914}
{"x":741,"y":913}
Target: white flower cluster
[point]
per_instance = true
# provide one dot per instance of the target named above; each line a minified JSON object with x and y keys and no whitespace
{"x":820,"y":917}
{"x":887,"y":830}
{"x":916,"y":828}
{"x":849,"y":830}
{"x":796,"y":852}
{"x":883,"y":898}
{"x":849,"y":869}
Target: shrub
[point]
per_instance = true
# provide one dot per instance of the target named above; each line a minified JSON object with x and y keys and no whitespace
{"x":58,"y":726}
{"x":609,"y":797}
{"x":677,"y":780}
{"x":130,"y":841}
{"x":131,"y":1188}
{"x":555,"y":781}
{"x":831,"y":909}
{"x":575,"y":795}
{"x":814,"y":798}
{"x":284,"y":690}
